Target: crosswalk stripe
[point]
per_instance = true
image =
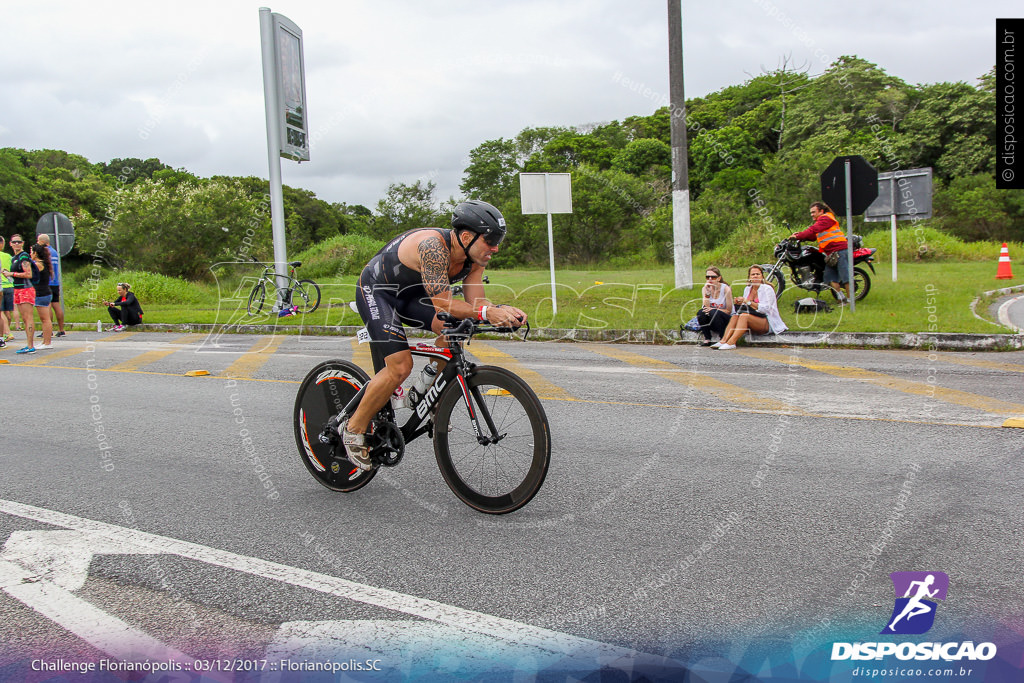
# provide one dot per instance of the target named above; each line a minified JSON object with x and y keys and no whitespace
{"x":960,"y":360}
{"x":361,"y":356}
{"x":152,"y":356}
{"x":955,"y":396}
{"x":544,"y":388}
{"x":254,"y":358}
{"x":118,"y":337}
{"x":697,"y":380}
{"x":44,"y":357}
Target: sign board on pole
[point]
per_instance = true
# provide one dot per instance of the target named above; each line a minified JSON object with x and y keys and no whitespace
{"x":535,"y":194}
{"x":291,"y":89}
{"x":910,"y":192}
{"x":547,"y":193}
{"x":901,"y":194}
{"x":863,"y":185}
{"x":59,"y":228}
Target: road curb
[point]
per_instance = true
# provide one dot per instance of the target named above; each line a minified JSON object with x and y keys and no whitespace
{"x":867,"y":340}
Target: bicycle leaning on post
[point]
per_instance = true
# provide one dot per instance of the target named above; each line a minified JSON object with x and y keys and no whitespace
{"x":491,"y":437}
{"x":304,"y":294}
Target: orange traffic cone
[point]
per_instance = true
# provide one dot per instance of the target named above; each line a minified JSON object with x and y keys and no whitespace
{"x":1003,"y":271}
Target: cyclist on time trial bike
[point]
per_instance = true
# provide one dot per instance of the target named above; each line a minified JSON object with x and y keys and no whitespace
{"x":409,"y":280}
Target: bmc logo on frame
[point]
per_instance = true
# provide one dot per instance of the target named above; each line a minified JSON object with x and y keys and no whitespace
{"x":913,"y":613}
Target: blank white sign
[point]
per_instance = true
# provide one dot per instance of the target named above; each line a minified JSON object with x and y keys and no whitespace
{"x":531,"y":187}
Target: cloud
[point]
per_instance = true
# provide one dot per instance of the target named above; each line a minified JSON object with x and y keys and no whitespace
{"x":399,"y":89}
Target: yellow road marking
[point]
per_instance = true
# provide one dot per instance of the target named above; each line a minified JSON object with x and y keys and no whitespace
{"x":253,"y":359}
{"x":118,"y":337}
{"x":361,"y":356}
{"x":960,"y":360}
{"x":955,"y":396}
{"x":696,"y":380}
{"x":44,"y":357}
{"x":633,"y":404}
{"x":155,"y":355}
{"x":489,"y":355}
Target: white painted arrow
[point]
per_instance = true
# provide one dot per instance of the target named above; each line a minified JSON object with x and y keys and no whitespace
{"x":40,"y":568}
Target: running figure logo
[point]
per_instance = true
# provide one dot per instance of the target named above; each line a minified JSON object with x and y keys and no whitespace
{"x":914,"y":612}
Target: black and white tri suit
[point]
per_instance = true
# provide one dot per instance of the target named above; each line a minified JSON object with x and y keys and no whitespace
{"x":390,"y":294}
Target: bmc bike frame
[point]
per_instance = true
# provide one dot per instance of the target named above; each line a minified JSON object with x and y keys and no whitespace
{"x":418,"y":423}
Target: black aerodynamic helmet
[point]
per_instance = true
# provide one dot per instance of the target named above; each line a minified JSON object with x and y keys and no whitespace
{"x":482,"y":218}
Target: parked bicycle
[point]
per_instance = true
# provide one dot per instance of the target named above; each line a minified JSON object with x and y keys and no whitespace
{"x":491,"y":437}
{"x":304,"y":294}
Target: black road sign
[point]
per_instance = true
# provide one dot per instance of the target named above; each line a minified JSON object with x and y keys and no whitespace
{"x":863,"y":185}
{"x":59,"y":228}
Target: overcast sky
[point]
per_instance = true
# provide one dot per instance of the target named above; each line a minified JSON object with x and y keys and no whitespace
{"x":403,"y":89}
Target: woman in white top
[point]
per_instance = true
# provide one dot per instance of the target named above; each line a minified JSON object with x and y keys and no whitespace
{"x":716,"y":305}
{"x":756,"y":311}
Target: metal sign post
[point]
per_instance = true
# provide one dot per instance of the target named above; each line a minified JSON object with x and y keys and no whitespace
{"x":284,"y":94}
{"x":849,"y":242}
{"x":547,"y":193}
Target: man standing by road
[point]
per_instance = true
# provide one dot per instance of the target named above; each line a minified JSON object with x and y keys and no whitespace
{"x":58,"y":309}
{"x":831,"y":243}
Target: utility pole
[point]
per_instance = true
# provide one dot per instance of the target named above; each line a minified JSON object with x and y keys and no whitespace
{"x":681,"y":252}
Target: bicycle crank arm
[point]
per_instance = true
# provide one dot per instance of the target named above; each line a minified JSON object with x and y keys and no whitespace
{"x":330,"y":433}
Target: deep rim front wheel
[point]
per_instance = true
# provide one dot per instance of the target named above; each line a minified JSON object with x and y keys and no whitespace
{"x":498,"y":477}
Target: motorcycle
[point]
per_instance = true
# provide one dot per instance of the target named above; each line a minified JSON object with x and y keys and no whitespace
{"x":807,"y":266}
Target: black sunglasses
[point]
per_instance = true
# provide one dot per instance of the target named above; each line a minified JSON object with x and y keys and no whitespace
{"x":710,"y":277}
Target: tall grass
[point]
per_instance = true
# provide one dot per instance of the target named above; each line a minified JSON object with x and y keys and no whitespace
{"x":338,"y":256}
{"x":939,"y":276}
{"x":80,"y":288}
{"x":753,"y":243}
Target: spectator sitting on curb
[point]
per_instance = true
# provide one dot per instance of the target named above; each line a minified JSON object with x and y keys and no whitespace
{"x":757,"y":311}
{"x":716,"y":305}
{"x":125,"y":309}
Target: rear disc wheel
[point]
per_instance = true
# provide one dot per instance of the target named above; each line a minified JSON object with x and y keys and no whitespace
{"x":324,"y":393}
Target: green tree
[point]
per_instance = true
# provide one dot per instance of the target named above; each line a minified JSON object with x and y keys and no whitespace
{"x":177,"y":229}
{"x":645,"y":155}
{"x":973,"y":209}
{"x":132,"y":169}
{"x":406,"y":206}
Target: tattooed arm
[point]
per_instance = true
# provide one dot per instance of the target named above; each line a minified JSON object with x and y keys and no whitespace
{"x":435,"y":259}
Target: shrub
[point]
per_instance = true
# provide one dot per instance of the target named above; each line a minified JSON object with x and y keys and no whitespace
{"x":82,"y":289}
{"x":337,"y":257}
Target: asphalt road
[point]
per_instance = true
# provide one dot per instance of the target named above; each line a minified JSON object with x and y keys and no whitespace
{"x":701,"y":507}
